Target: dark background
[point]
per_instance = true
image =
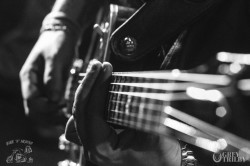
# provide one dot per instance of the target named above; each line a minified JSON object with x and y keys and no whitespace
{"x":20,"y":23}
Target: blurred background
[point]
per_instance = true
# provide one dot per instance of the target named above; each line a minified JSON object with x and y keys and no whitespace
{"x":20,"y":22}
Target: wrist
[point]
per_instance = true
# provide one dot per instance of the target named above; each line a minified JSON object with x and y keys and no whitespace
{"x":59,"y":21}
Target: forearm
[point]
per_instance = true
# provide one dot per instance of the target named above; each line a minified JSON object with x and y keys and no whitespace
{"x":80,"y":11}
{"x":72,"y":8}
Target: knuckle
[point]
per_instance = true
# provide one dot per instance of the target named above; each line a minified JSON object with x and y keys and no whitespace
{"x":21,"y":73}
{"x":24,"y":74}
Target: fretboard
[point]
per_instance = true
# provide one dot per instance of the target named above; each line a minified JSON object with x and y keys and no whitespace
{"x":142,"y":101}
{"x":138,"y":99}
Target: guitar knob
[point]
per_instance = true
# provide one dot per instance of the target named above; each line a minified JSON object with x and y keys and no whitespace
{"x":128,"y":46}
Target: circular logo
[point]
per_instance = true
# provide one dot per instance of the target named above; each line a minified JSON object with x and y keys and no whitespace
{"x":217,"y":157}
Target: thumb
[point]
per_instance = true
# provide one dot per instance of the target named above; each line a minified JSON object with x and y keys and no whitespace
{"x":71,"y":133}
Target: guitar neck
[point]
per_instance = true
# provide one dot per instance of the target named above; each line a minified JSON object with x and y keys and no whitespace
{"x":138,"y":99}
{"x":141,"y":100}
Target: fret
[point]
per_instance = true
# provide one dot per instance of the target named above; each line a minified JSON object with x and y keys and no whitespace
{"x":141,"y":112}
{"x":145,"y":113}
{"x":128,"y":103}
{"x":117,"y":79}
{"x":119,"y":89}
{"x":111,"y":97}
{"x":129,"y":107}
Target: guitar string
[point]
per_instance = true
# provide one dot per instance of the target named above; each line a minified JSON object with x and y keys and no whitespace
{"x":153,"y":96}
{"x":182,"y":80}
{"x":150,"y":95}
{"x":152,"y":124}
{"x":198,"y":138}
{"x":176,"y":76}
{"x":153,"y":113}
{"x":165,"y":86}
{"x":156,"y":96}
{"x":230,"y":138}
{"x":206,"y":128}
{"x":202,"y":139}
{"x":148,"y":105}
{"x":226,"y":91}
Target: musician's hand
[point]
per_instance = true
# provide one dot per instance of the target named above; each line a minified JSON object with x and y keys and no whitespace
{"x":104,"y":145}
{"x":44,"y":74}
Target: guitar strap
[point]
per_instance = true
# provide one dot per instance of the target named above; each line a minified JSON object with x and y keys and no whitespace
{"x":156,"y":22}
